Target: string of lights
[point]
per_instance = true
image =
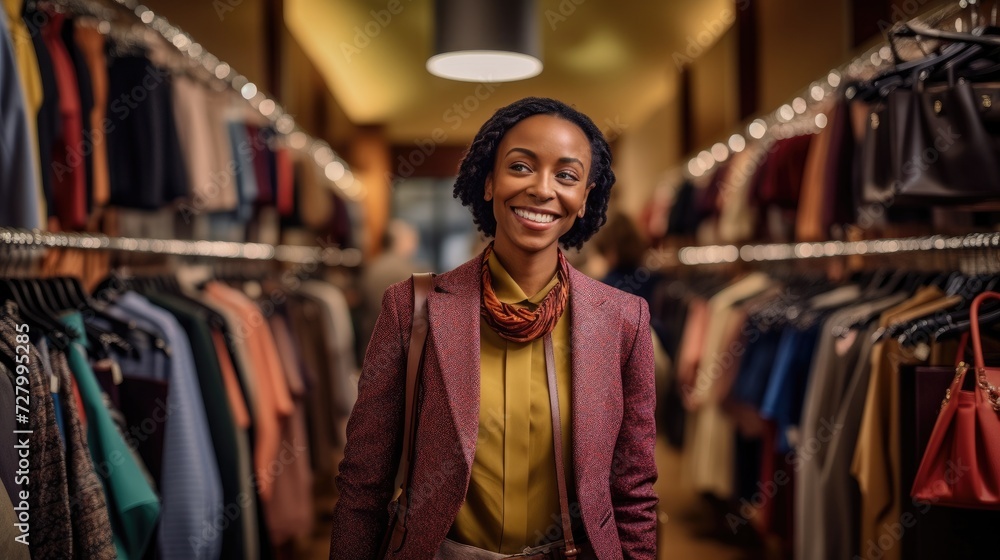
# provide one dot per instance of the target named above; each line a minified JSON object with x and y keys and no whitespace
{"x":334,"y":168}
{"x":804,"y":114}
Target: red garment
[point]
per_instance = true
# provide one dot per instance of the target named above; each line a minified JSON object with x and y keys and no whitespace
{"x":780,"y":177}
{"x":68,"y":166}
{"x":286,"y":182}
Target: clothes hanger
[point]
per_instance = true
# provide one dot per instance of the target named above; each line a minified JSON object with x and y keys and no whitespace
{"x":971,"y":288}
{"x":9,"y":289}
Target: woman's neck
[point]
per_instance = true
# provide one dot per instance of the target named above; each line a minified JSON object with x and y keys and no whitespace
{"x":531,"y":271}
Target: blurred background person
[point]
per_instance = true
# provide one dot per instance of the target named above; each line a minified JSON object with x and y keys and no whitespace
{"x":395,"y":263}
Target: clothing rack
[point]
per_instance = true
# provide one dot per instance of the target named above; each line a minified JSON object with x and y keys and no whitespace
{"x":294,"y":254}
{"x":804,"y":113}
{"x":720,"y":254}
{"x":335,"y":169}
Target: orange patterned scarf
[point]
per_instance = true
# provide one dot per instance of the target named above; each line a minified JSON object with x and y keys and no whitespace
{"x":521,"y":323}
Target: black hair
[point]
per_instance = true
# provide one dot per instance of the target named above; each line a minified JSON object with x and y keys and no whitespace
{"x":478,"y":162}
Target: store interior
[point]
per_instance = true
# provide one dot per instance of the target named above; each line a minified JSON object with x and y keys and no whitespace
{"x":203,"y":202}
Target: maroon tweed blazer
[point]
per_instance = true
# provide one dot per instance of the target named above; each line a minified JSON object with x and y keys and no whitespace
{"x":614,"y":431}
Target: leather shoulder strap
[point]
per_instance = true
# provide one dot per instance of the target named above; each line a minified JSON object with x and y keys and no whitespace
{"x":423,"y":282}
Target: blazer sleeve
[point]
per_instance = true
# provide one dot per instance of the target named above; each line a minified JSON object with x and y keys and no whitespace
{"x":371,"y":457}
{"x":633,"y":471}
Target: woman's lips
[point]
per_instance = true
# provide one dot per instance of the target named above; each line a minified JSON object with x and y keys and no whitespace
{"x":536,"y":226}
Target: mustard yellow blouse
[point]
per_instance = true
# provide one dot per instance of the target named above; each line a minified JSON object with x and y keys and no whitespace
{"x":513,"y":499}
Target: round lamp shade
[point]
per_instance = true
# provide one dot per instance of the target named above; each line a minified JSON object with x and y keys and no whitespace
{"x":485,"y":40}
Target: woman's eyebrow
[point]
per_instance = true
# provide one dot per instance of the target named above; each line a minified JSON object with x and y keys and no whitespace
{"x":531,"y":154}
{"x":525,"y":151}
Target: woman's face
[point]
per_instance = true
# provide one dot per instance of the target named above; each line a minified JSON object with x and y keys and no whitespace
{"x":539,"y":182}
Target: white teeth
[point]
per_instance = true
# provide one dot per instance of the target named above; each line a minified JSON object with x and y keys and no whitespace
{"x":534,"y":217}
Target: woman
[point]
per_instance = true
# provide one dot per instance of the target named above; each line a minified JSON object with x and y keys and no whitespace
{"x":484,"y":481}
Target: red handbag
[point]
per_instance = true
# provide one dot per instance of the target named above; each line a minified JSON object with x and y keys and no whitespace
{"x":961,"y":465}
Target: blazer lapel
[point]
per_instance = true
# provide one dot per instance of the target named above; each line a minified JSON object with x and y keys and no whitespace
{"x":453,"y":313}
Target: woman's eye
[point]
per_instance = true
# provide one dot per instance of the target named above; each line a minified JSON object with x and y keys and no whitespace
{"x":519,"y":167}
{"x":567,"y":176}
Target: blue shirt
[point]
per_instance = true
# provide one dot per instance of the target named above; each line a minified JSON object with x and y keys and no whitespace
{"x":192,"y":518}
{"x":19,"y":193}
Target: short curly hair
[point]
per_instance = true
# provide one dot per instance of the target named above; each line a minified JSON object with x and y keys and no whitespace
{"x":479,"y":160}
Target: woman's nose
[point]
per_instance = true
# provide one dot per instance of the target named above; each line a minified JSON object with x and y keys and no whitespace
{"x":541,"y":187}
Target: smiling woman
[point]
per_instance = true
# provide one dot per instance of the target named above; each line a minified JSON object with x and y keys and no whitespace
{"x":535,"y":431}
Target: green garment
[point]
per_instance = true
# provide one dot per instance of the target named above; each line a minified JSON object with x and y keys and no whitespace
{"x":132,"y":504}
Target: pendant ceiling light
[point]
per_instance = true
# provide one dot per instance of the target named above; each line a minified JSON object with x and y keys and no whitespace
{"x":485,"y":40}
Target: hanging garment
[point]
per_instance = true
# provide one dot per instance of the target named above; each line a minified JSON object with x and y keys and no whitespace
{"x":92,"y":536}
{"x":217,"y":412}
{"x":31,"y":85}
{"x":274,"y":400}
{"x":51,"y":526}
{"x":69,"y":172}
{"x":85,"y":94}
{"x":192,"y":489}
{"x":876,"y":458}
{"x":290,"y":514}
{"x":147,"y":167}
{"x":242,"y":421}
{"x":834,"y":362}
{"x":19,"y":189}
{"x":206,"y":146}
{"x":10,"y":547}
{"x":133,"y":505}
{"x":8,"y":455}
{"x":90,"y":41}
{"x":709,"y":429}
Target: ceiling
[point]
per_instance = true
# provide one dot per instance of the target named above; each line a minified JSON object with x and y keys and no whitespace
{"x":611,"y":59}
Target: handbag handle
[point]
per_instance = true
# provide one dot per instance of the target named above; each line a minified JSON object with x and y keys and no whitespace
{"x":422,"y":284}
{"x":977,"y":342}
{"x":989,"y":392}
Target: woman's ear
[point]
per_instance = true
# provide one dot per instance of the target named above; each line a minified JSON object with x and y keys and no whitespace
{"x":488,"y":190}
{"x":583,"y":208}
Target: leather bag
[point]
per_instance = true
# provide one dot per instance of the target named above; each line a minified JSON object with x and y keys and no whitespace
{"x":961,"y":465}
{"x":423,"y":282}
{"x":934,"y":144}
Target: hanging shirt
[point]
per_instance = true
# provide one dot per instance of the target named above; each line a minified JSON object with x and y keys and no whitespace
{"x":192,"y":489}
{"x":216,"y":406}
{"x":69,"y":174}
{"x":20,"y":195}
{"x":90,"y":41}
{"x":876,"y":463}
{"x":132,"y":503}
{"x":31,"y":86}
{"x":275,"y":404}
{"x":513,"y":498}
